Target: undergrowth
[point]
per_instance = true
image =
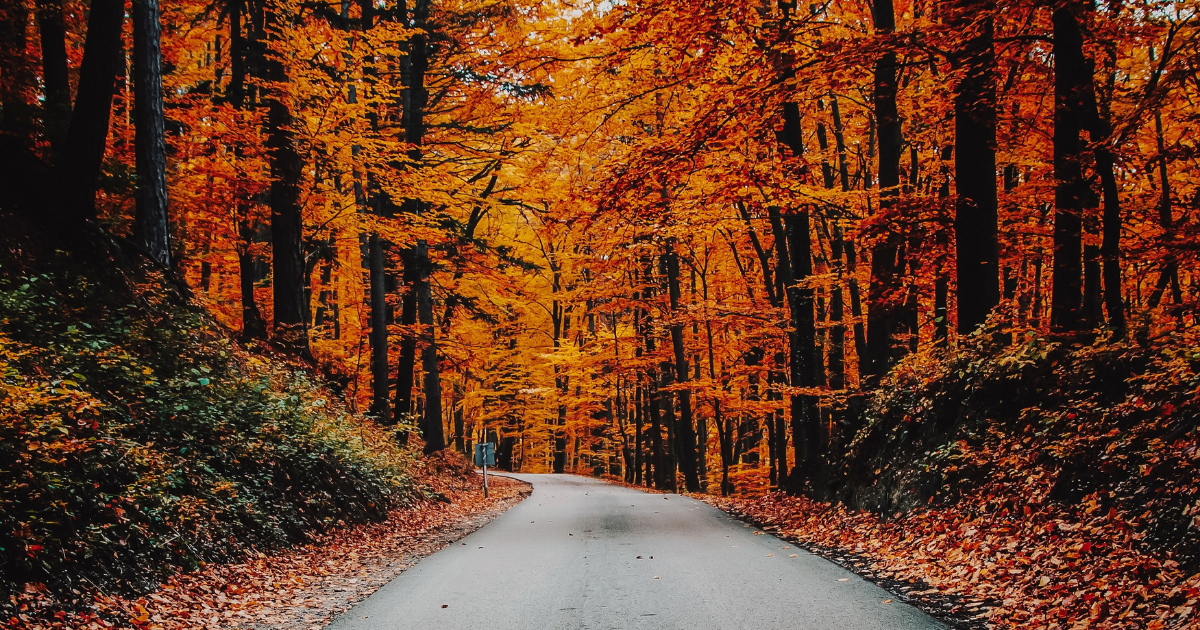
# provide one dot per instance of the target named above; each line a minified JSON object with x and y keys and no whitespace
{"x":137,"y":439}
{"x":997,"y":426}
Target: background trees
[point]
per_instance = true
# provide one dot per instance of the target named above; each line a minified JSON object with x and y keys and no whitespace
{"x":672,"y":243}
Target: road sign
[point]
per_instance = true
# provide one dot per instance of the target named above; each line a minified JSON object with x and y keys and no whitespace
{"x":485,"y":454}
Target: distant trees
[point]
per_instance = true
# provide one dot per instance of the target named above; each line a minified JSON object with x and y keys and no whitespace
{"x":630,"y":239}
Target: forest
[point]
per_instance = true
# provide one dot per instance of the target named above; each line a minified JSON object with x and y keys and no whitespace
{"x":890,"y":254}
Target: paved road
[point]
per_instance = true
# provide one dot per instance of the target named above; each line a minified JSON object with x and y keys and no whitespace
{"x":583,"y":554}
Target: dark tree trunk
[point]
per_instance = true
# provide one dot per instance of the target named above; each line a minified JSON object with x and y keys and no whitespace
{"x":287,"y":224}
{"x":433,"y":430}
{"x":637,"y":434}
{"x":941,"y":312}
{"x":685,"y":434}
{"x":1110,"y":248}
{"x":883,"y":311}
{"x":150,"y":229}
{"x":253,"y":326}
{"x":1166,"y":220}
{"x":975,"y":220}
{"x":405,"y":373}
{"x":1071,"y":191}
{"x":1092,"y":298}
{"x":837,"y":315}
{"x":55,"y":75}
{"x":87,"y":134}
{"x":860,"y":334}
{"x":807,"y":368}
{"x":380,"y":403}
{"x":413,"y":72}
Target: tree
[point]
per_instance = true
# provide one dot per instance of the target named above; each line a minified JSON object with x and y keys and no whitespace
{"x":84,"y":147}
{"x":884,"y":313}
{"x":975,"y":221}
{"x":287,"y":223}
{"x":151,"y":229}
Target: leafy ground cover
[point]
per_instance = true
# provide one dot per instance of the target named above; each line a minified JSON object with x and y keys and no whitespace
{"x":1039,"y":485}
{"x":305,"y":587}
{"x":138,"y":439}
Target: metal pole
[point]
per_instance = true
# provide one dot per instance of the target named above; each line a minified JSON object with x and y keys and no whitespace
{"x":485,"y":488}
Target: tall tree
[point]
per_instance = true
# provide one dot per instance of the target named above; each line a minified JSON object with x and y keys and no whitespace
{"x":55,"y":75}
{"x":150,"y":229}
{"x":1072,"y":195}
{"x":975,"y":220}
{"x":884,"y":315}
{"x":418,"y":299}
{"x":288,"y":277}
{"x":685,"y":434}
{"x":83,"y":150}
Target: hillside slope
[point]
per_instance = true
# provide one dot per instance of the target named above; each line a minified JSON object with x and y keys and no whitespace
{"x":137,"y":437}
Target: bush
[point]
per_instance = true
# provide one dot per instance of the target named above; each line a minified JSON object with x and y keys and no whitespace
{"x":136,"y":438}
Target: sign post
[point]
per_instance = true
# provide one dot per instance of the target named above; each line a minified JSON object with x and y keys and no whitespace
{"x":485,"y":455}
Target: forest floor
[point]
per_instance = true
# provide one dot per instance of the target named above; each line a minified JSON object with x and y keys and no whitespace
{"x":1058,"y":571}
{"x":303,"y":588}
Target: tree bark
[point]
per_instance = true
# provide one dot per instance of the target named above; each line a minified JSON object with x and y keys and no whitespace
{"x":18,"y":81}
{"x":975,"y":220}
{"x":87,"y":134}
{"x":685,"y":434}
{"x":415,"y":98}
{"x":405,"y":371}
{"x":287,"y":224}
{"x":1071,"y":191}
{"x":807,"y":366}
{"x":883,"y":313}
{"x":380,"y":403}
{"x":253,"y":326}
{"x":55,"y":74}
{"x":432,"y":429}
{"x":150,"y":229}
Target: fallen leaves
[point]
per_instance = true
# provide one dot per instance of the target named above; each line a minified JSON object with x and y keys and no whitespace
{"x":1039,"y":566}
{"x":305,"y":587}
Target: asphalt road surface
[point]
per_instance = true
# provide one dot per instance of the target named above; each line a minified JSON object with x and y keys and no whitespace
{"x":583,"y":554}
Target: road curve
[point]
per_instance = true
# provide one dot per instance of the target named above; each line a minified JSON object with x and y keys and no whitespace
{"x":583,"y":554}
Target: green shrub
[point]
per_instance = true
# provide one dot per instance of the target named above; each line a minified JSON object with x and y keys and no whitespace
{"x":137,"y":439}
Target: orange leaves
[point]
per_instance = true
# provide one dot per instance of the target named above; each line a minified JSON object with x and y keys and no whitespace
{"x":1048,"y":566}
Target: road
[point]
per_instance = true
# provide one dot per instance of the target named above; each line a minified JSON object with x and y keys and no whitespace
{"x":583,"y":554}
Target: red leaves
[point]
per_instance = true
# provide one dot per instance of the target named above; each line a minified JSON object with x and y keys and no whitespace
{"x":1048,"y":568}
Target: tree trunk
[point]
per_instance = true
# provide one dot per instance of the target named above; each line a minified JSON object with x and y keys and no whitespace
{"x":975,"y":220}
{"x":883,"y":313}
{"x":685,"y":434}
{"x":1166,"y":220}
{"x":380,"y":404}
{"x":55,"y":74}
{"x":287,"y":225}
{"x":860,"y":334}
{"x":413,"y":72}
{"x":150,"y":229}
{"x":405,"y":369}
{"x":17,"y":78}
{"x":433,"y":430}
{"x":87,"y":134}
{"x":637,"y":434}
{"x":253,"y":326}
{"x":806,"y":362}
{"x":1071,"y":191}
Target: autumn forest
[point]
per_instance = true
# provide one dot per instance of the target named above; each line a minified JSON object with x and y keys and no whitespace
{"x":709,"y":247}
